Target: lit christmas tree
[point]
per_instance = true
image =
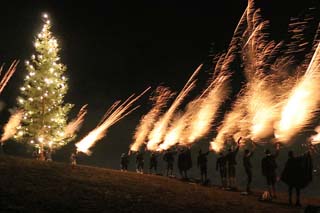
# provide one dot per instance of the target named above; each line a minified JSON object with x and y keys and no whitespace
{"x":45,"y":114}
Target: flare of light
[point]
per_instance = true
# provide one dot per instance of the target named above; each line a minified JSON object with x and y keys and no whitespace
{"x":8,"y":75}
{"x":216,"y":147}
{"x":115,"y":113}
{"x":233,"y":125}
{"x":160,"y":99}
{"x":157,"y":134}
{"x":74,"y":125}
{"x":315,"y":139}
{"x":206,"y":111}
{"x":262,"y":109}
{"x":302,"y":103}
{"x":10,"y":129}
{"x":172,"y":136}
{"x":175,"y":133}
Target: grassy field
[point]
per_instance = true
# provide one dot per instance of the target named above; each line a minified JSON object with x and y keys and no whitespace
{"x":32,"y":186}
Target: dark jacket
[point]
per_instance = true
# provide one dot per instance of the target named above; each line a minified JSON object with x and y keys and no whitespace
{"x":246,"y":160}
{"x":269,"y":164}
{"x":221,"y":163}
{"x":231,"y":157}
{"x":298,"y":171}
{"x":202,"y":159}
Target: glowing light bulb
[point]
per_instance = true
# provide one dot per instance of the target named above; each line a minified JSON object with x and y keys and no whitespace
{"x":45,"y":15}
{"x":23,"y":88}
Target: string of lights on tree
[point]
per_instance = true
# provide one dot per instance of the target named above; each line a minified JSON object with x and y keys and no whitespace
{"x":42,"y":94}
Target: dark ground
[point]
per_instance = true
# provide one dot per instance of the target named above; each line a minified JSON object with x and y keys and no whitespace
{"x":33,"y":186}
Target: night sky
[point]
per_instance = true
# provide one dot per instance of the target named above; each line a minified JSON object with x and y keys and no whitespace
{"x":118,"y":48}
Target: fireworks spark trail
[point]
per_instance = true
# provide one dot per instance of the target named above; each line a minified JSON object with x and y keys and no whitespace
{"x":160,"y":99}
{"x":195,"y":121}
{"x":116,"y":113}
{"x":232,"y":124}
{"x":157,"y":134}
{"x":262,"y":108}
{"x":74,"y":125}
{"x":265,"y":101}
{"x":8,"y":75}
{"x":10,"y":129}
{"x":176,"y":132}
{"x":299,"y":108}
{"x":206,"y":111}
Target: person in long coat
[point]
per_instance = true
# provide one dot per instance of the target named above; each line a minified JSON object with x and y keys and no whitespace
{"x":297,"y":174}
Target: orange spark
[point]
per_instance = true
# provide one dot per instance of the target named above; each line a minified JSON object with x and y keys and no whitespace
{"x":302,"y":103}
{"x":8,"y":75}
{"x":206,"y":110}
{"x":10,"y":128}
{"x":74,"y":125}
{"x":114,"y":114}
{"x":160,"y":99}
{"x":156,"y":135}
{"x":175,"y":133}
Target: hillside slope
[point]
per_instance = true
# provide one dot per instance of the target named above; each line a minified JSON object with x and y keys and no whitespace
{"x":33,"y":186}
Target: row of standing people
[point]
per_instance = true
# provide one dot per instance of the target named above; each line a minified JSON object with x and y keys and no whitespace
{"x":297,"y":173}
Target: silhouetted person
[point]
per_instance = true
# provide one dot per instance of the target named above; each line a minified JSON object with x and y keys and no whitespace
{"x":168,"y":157}
{"x":124,"y":162}
{"x":48,"y":155}
{"x":221,"y":165}
{"x":248,"y":168}
{"x":73,"y":159}
{"x":297,"y":174}
{"x":231,"y":163}
{"x":139,"y":162}
{"x":269,"y":166}
{"x":182,"y":163}
{"x":153,"y":163}
{"x":202,"y":164}
{"x":188,"y":158}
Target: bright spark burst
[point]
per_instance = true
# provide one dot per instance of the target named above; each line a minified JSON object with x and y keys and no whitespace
{"x":202,"y":118}
{"x":156,"y":136}
{"x":160,"y":99}
{"x":303,"y":102}
{"x":175,"y":133}
{"x":115,"y":113}
{"x":10,"y":129}
{"x":74,"y":125}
